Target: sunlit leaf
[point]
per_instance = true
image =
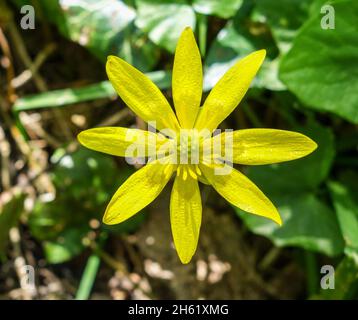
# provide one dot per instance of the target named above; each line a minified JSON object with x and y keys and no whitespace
{"x":232,"y":44}
{"x":321,"y":67}
{"x":221,"y":8}
{"x":164,"y":20}
{"x":60,"y":98}
{"x":103,"y":26}
{"x":284,"y":18}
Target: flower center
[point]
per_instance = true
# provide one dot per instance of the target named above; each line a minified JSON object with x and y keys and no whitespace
{"x":188,"y":147}
{"x":188,"y":153}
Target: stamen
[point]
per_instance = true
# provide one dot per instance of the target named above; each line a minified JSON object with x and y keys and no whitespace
{"x":192,"y":174}
{"x":197,"y":169}
{"x":178,"y":171}
{"x":185,"y":174}
{"x":167,"y":171}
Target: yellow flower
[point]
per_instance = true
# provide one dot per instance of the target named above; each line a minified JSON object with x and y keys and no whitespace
{"x":250,"y":146}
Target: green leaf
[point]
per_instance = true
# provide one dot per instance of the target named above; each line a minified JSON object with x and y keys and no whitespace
{"x":66,"y":246}
{"x":60,"y":98}
{"x":322,"y":66}
{"x":346,"y":206}
{"x":307,"y":223}
{"x":347,"y":213}
{"x":103,"y":26}
{"x":233,"y":43}
{"x":316,"y":6}
{"x":94,"y":23}
{"x":284,"y":18}
{"x":164,"y":20}
{"x":49,"y":219}
{"x":221,"y":8}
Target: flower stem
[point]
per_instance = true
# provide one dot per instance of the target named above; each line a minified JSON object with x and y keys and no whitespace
{"x":202,"y":30}
{"x":88,"y":277}
{"x":90,"y":272}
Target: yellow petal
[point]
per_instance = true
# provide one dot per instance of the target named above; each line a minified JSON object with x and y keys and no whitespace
{"x":117,"y":141}
{"x":185,"y":216}
{"x":241,"y":192}
{"x":187,"y":80}
{"x":264,"y":146}
{"x":139,"y":190}
{"x":229,"y":91}
{"x":203,"y":180}
{"x":140,"y":94}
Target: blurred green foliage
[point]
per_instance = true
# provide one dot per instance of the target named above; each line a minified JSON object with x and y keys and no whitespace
{"x":309,"y":78}
{"x":104,"y":27}
{"x":10,"y":213}
{"x":84,"y":181}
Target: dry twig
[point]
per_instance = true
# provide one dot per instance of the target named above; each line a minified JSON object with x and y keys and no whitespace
{"x":10,"y":73}
{"x":38,"y":80}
